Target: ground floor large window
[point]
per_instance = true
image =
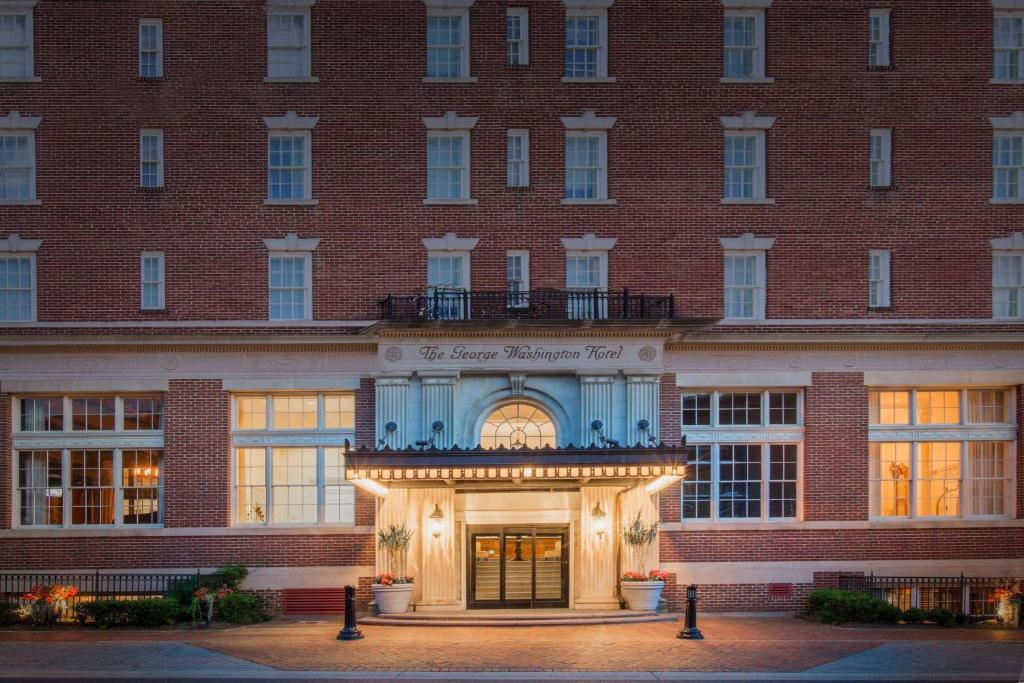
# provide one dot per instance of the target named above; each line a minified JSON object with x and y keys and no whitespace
{"x":292,"y":486}
{"x":742,"y":481}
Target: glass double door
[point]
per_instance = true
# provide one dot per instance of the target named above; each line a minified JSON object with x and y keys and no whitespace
{"x":519,"y":567}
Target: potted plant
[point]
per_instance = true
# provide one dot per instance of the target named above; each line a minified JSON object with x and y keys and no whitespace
{"x":641,"y":590}
{"x":392,"y":590}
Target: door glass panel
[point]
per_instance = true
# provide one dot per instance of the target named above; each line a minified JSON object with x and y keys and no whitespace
{"x":518,"y":566}
{"x":486,"y":567}
{"x":549,"y":567}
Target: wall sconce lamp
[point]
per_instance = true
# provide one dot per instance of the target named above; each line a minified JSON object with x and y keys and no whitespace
{"x":389,"y":429}
{"x":436,"y":428}
{"x":435,"y":521}
{"x":644,"y":427}
{"x":600,"y":519}
{"x":598,"y":427}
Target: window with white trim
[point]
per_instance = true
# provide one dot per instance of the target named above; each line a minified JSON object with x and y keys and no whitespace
{"x":745,"y":285}
{"x":517,"y":36}
{"x":743,"y":45}
{"x":586,"y":165}
{"x":152,"y":280}
{"x":289,"y":167}
{"x":448,"y":165}
{"x":1008,"y":166}
{"x":289,"y":44}
{"x":517,"y":278}
{"x":17,"y":287}
{"x":747,"y":457}
{"x":586,"y":44}
{"x":586,"y":284}
{"x":938,"y":472}
{"x":151,"y":48}
{"x":17,"y":165}
{"x":879,"y":281}
{"x":744,"y":165}
{"x":299,"y":478}
{"x":1007,"y":284}
{"x":878,"y":38}
{"x":1008,"y":47}
{"x":16,"y":41}
{"x":291,"y":286}
{"x":447,"y":43}
{"x":518,"y":157}
{"x":881,"y":158}
{"x":151,"y":158}
{"x":100,"y":477}
{"x":448,"y":285}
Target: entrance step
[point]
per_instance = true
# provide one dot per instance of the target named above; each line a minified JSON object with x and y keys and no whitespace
{"x":521,"y":617}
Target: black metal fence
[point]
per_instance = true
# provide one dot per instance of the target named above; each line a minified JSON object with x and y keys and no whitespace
{"x":593,"y":304}
{"x":94,"y":586}
{"x":970,"y":595}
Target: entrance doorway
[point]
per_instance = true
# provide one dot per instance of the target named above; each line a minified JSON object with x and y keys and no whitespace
{"x":518,"y":567}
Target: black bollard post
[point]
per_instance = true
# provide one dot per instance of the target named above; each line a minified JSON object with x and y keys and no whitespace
{"x":691,"y":632}
{"x":351,"y":631}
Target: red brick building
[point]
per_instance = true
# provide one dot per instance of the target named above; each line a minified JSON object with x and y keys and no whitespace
{"x":244,"y":244}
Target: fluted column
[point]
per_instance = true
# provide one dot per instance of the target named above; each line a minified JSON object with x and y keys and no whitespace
{"x":596,"y":570}
{"x":392,"y":398}
{"x":643,"y":397}
{"x":595,"y":404}
{"x":439,"y":405}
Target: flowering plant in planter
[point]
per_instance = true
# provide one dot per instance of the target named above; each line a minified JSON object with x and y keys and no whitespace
{"x":203,"y":599}
{"x":1008,"y":604}
{"x":48,"y":602}
{"x":392,"y":590}
{"x":641,"y":589}
{"x":390,"y":579}
{"x":653,"y":575}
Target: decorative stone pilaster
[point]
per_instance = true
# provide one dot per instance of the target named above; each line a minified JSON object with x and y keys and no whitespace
{"x":596,"y":570}
{"x":595,"y":404}
{"x":392,"y":398}
{"x":643,"y":396}
{"x":439,"y":406}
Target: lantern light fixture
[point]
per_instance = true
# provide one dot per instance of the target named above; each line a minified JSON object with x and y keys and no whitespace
{"x":436,"y":517}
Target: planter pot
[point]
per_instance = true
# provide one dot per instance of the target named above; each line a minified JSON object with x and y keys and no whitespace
{"x":392,"y":599}
{"x":642,"y":595}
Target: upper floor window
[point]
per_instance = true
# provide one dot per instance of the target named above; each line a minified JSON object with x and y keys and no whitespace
{"x":151,"y":48}
{"x":447,"y":44}
{"x":586,"y":279}
{"x":290,"y":159}
{"x":517,"y":35}
{"x":447,"y":285}
{"x":586,"y":41}
{"x":291,"y":286}
{"x":1008,"y":166}
{"x":152,"y":280}
{"x":18,"y":158}
{"x":743,"y":41}
{"x":295,"y":411}
{"x":16,"y":40}
{"x":89,"y":413}
{"x":586,"y":158}
{"x":289,"y":41}
{"x":518,"y":425}
{"x":1007,"y":284}
{"x":879,"y":281}
{"x":938,"y":406}
{"x":517,"y":278}
{"x":151,"y":158}
{"x":731,"y":409}
{"x":878,"y":38}
{"x":17,"y":287}
{"x":448,"y":158}
{"x":518,"y":158}
{"x":1008,"y":47}
{"x":745,"y":285}
{"x":745,"y":152}
{"x":881,"y":158}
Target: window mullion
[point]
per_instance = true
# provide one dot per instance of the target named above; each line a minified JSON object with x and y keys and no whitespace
{"x":715,"y":481}
{"x":268,"y":478}
{"x":765,"y":470}
{"x":65,"y":466}
{"x":912,"y":484}
{"x":118,"y":481}
{"x":320,"y":482}
{"x":962,"y":485}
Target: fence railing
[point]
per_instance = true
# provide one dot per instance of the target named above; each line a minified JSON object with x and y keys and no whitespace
{"x":970,"y":595}
{"x":94,"y":586}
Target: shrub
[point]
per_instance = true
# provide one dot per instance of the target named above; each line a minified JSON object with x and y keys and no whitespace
{"x":231,"y":574}
{"x":839,"y":607}
{"x":182,"y":592}
{"x":241,"y":608}
{"x":9,"y":613}
{"x":942,"y":617}
{"x":103,"y":613}
{"x":152,"y":612}
{"x":914,"y":615}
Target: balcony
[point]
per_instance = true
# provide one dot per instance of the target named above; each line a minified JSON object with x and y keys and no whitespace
{"x":595,"y":304}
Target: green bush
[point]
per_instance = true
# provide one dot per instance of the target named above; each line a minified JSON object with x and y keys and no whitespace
{"x":152,"y":612}
{"x":241,"y":608}
{"x":942,"y":617}
{"x":914,"y":615}
{"x":182,"y":592}
{"x":834,"y":606}
{"x":231,"y":574}
{"x":103,"y":613}
{"x":9,"y":613}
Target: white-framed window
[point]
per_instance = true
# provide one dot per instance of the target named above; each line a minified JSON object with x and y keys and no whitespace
{"x":517,"y":36}
{"x":586,"y":44}
{"x":448,"y":165}
{"x":938,"y":472}
{"x":17,"y":165}
{"x":289,"y":459}
{"x":448,"y":285}
{"x":518,"y":157}
{"x":881,"y":158}
{"x":447,"y":44}
{"x":879,"y":280}
{"x":586,"y":284}
{"x":1008,"y":166}
{"x":289,"y":43}
{"x":586,"y":165}
{"x":743,"y":44}
{"x":289,"y":166}
{"x":744,"y":165}
{"x":878,"y":38}
{"x":291,"y":286}
{"x":745,"y":285}
{"x":1008,"y":47}
{"x":16,"y":41}
{"x":748,"y":454}
{"x":517,"y":278}
{"x":152,"y":280}
{"x":1007,"y":284}
{"x":151,"y":157}
{"x":17,"y":287}
{"x":151,"y":48}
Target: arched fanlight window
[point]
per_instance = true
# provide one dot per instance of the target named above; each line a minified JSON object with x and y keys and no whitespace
{"x":518,"y":425}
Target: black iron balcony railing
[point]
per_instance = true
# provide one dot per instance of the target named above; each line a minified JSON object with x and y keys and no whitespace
{"x":591,"y":304}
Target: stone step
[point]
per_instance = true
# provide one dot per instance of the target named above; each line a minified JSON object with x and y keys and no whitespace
{"x":447,"y":620}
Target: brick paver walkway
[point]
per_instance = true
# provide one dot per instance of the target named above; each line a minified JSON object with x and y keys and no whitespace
{"x":731,"y":645}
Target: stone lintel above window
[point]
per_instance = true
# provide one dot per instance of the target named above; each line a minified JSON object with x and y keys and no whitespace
{"x":1008,"y":5}
{"x":588,"y":4}
{"x":746,"y":4}
{"x":448,"y":4}
{"x":15,"y":121}
{"x":748,"y":120}
{"x":588,"y":120}
{"x":15,"y":244}
{"x":589,"y":242}
{"x":450,"y":121}
{"x":747,"y":242}
{"x":292,"y":242}
{"x":450,"y":242}
{"x":1015,"y":242}
{"x":1014,"y":121}
{"x":290,"y":121}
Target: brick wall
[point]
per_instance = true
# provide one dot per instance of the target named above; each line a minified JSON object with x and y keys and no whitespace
{"x":835,"y":467}
{"x":1020,"y":452}
{"x":743,"y":597}
{"x":197,"y":454}
{"x":368,"y":152}
{"x":6,"y":465}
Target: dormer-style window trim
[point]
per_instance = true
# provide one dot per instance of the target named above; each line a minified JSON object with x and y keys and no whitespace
{"x":588,"y":120}
{"x":747,"y":242}
{"x":23,"y":8}
{"x":450,"y":121}
{"x":450,"y":242}
{"x":290,"y":121}
{"x":589,"y":242}
{"x":292,"y":242}
{"x":16,"y":244}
